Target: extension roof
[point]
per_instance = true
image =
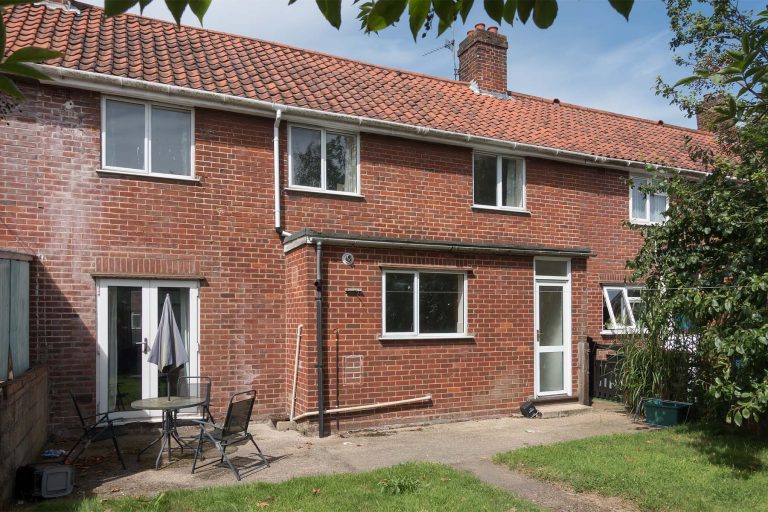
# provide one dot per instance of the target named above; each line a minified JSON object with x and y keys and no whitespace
{"x":135,"y":47}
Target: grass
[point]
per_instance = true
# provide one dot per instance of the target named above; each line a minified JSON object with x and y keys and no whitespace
{"x":411,"y":486}
{"x":683,"y":468}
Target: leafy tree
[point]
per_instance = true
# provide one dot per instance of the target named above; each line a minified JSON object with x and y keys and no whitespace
{"x":374,"y":15}
{"x":706,"y":267}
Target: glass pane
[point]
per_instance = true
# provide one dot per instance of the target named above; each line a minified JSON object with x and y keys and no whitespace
{"x":551,"y":371}
{"x":638,"y":199}
{"x":171,"y":141}
{"x":551,"y":268}
{"x":399,"y":300}
{"x":341,"y":162}
{"x":618,"y":304}
{"x":511,"y":183}
{"x":441,"y":308}
{"x":551,"y":316}
{"x":306,"y":155}
{"x":180,"y":307}
{"x":485,"y":180}
{"x":125,"y":347}
{"x":658,"y":207}
{"x":124,"y":134}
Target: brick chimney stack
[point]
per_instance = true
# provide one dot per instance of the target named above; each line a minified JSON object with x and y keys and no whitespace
{"x":706,"y":115}
{"x":483,"y":58}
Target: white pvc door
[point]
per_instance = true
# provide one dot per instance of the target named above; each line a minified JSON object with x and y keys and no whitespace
{"x":552,"y":328}
{"x":128,"y":312}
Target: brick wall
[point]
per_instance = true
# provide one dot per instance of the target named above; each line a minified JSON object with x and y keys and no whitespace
{"x":55,"y":205}
{"x":252,"y":296}
{"x":23,"y":422}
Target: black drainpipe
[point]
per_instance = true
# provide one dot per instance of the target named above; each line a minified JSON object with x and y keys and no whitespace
{"x":319,"y":330}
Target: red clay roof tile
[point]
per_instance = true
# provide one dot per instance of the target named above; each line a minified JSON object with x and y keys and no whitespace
{"x":157,"y":51}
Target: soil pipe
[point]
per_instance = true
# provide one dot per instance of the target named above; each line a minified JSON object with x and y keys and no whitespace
{"x":319,"y":330}
{"x":367,"y":407}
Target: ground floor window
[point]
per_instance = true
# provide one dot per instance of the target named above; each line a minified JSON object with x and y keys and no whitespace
{"x":421,"y":303}
{"x":622,"y":306}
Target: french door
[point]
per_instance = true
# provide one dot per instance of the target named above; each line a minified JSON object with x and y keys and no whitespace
{"x":552,"y":328}
{"x":128,"y":312}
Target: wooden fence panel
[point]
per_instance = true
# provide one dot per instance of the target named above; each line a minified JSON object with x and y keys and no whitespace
{"x":19,"y":322}
{"x":5,"y":316}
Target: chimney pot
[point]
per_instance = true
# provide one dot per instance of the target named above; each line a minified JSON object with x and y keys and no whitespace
{"x":483,"y":58}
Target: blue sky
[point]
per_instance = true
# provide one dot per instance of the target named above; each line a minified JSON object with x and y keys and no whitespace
{"x":591,"y":56}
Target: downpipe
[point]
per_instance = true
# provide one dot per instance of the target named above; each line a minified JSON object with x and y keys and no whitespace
{"x":319,"y":331}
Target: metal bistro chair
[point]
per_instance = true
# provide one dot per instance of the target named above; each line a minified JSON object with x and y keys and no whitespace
{"x":101,"y":429}
{"x":197,"y":387}
{"x":234,"y":430}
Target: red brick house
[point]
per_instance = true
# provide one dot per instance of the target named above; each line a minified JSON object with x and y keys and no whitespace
{"x":448,"y":243}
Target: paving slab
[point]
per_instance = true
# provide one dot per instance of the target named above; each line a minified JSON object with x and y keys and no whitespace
{"x":467,"y":444}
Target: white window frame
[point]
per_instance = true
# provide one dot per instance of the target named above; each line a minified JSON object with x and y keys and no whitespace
{"x":638,"y":181}
{"x":323,"y":175}
{"x":615,"y":328}
{"x":416,"y":291}
{"x":499,"y":188}
{"x":147,"y":171}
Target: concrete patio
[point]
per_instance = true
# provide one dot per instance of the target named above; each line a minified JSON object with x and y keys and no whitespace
{"x":467,"y":445}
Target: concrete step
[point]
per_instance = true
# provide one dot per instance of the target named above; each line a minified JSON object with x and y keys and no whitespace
{"x":562,"y":410}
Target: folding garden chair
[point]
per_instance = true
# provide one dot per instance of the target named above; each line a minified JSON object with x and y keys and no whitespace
{"x":234,"y":430}
{"x":197,"y":387}
{"x":99,"y":429}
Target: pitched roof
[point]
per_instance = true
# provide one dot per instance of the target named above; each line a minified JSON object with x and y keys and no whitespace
{"x":141,"y":48}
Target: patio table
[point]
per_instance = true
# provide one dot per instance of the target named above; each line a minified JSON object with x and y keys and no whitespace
{"x":168,"y":405}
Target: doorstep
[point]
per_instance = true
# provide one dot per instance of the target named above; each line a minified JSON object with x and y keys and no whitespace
{"x":563,"y":409}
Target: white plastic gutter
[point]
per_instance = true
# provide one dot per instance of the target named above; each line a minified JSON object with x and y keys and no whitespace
{"x":110,"y":84}
{"x":368,"y":407}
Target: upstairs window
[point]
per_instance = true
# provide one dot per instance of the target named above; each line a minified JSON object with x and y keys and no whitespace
{"x":646,"y":208}
{"x":424,"y":303}
{"x":323,"y":160}
{"x":145,"y":137}
{"x":622,"y":307}
{"x":499,"y":181}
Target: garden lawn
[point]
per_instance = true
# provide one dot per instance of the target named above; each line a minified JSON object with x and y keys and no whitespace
{"x":411,"y":486}
{"x":682,"y":468}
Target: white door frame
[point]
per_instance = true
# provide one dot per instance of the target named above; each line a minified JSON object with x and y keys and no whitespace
{"x":565,"y":283}
{"x":149,"y":322}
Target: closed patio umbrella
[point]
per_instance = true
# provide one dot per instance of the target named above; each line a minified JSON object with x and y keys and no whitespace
{"x":168,"y":350}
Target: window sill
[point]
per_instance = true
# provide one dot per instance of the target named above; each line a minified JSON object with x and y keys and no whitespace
{"x":621,"y":332}
{"x":502,"y":209}
{"x":416,"y":337}
{"x":642,"y":222}
{"x":350,"y":195}
{"x":148,"y":175}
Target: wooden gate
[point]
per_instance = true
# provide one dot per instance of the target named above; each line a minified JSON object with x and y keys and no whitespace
{"x":603,"y":365}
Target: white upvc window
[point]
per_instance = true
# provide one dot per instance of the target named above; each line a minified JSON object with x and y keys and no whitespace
{"x":622,"y":306}
{"x":323,"y":160}
{"x":646,"y":208}
{"x":499,"y":181}
{"x":145,"y":137}
{"x":424,"y":304}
